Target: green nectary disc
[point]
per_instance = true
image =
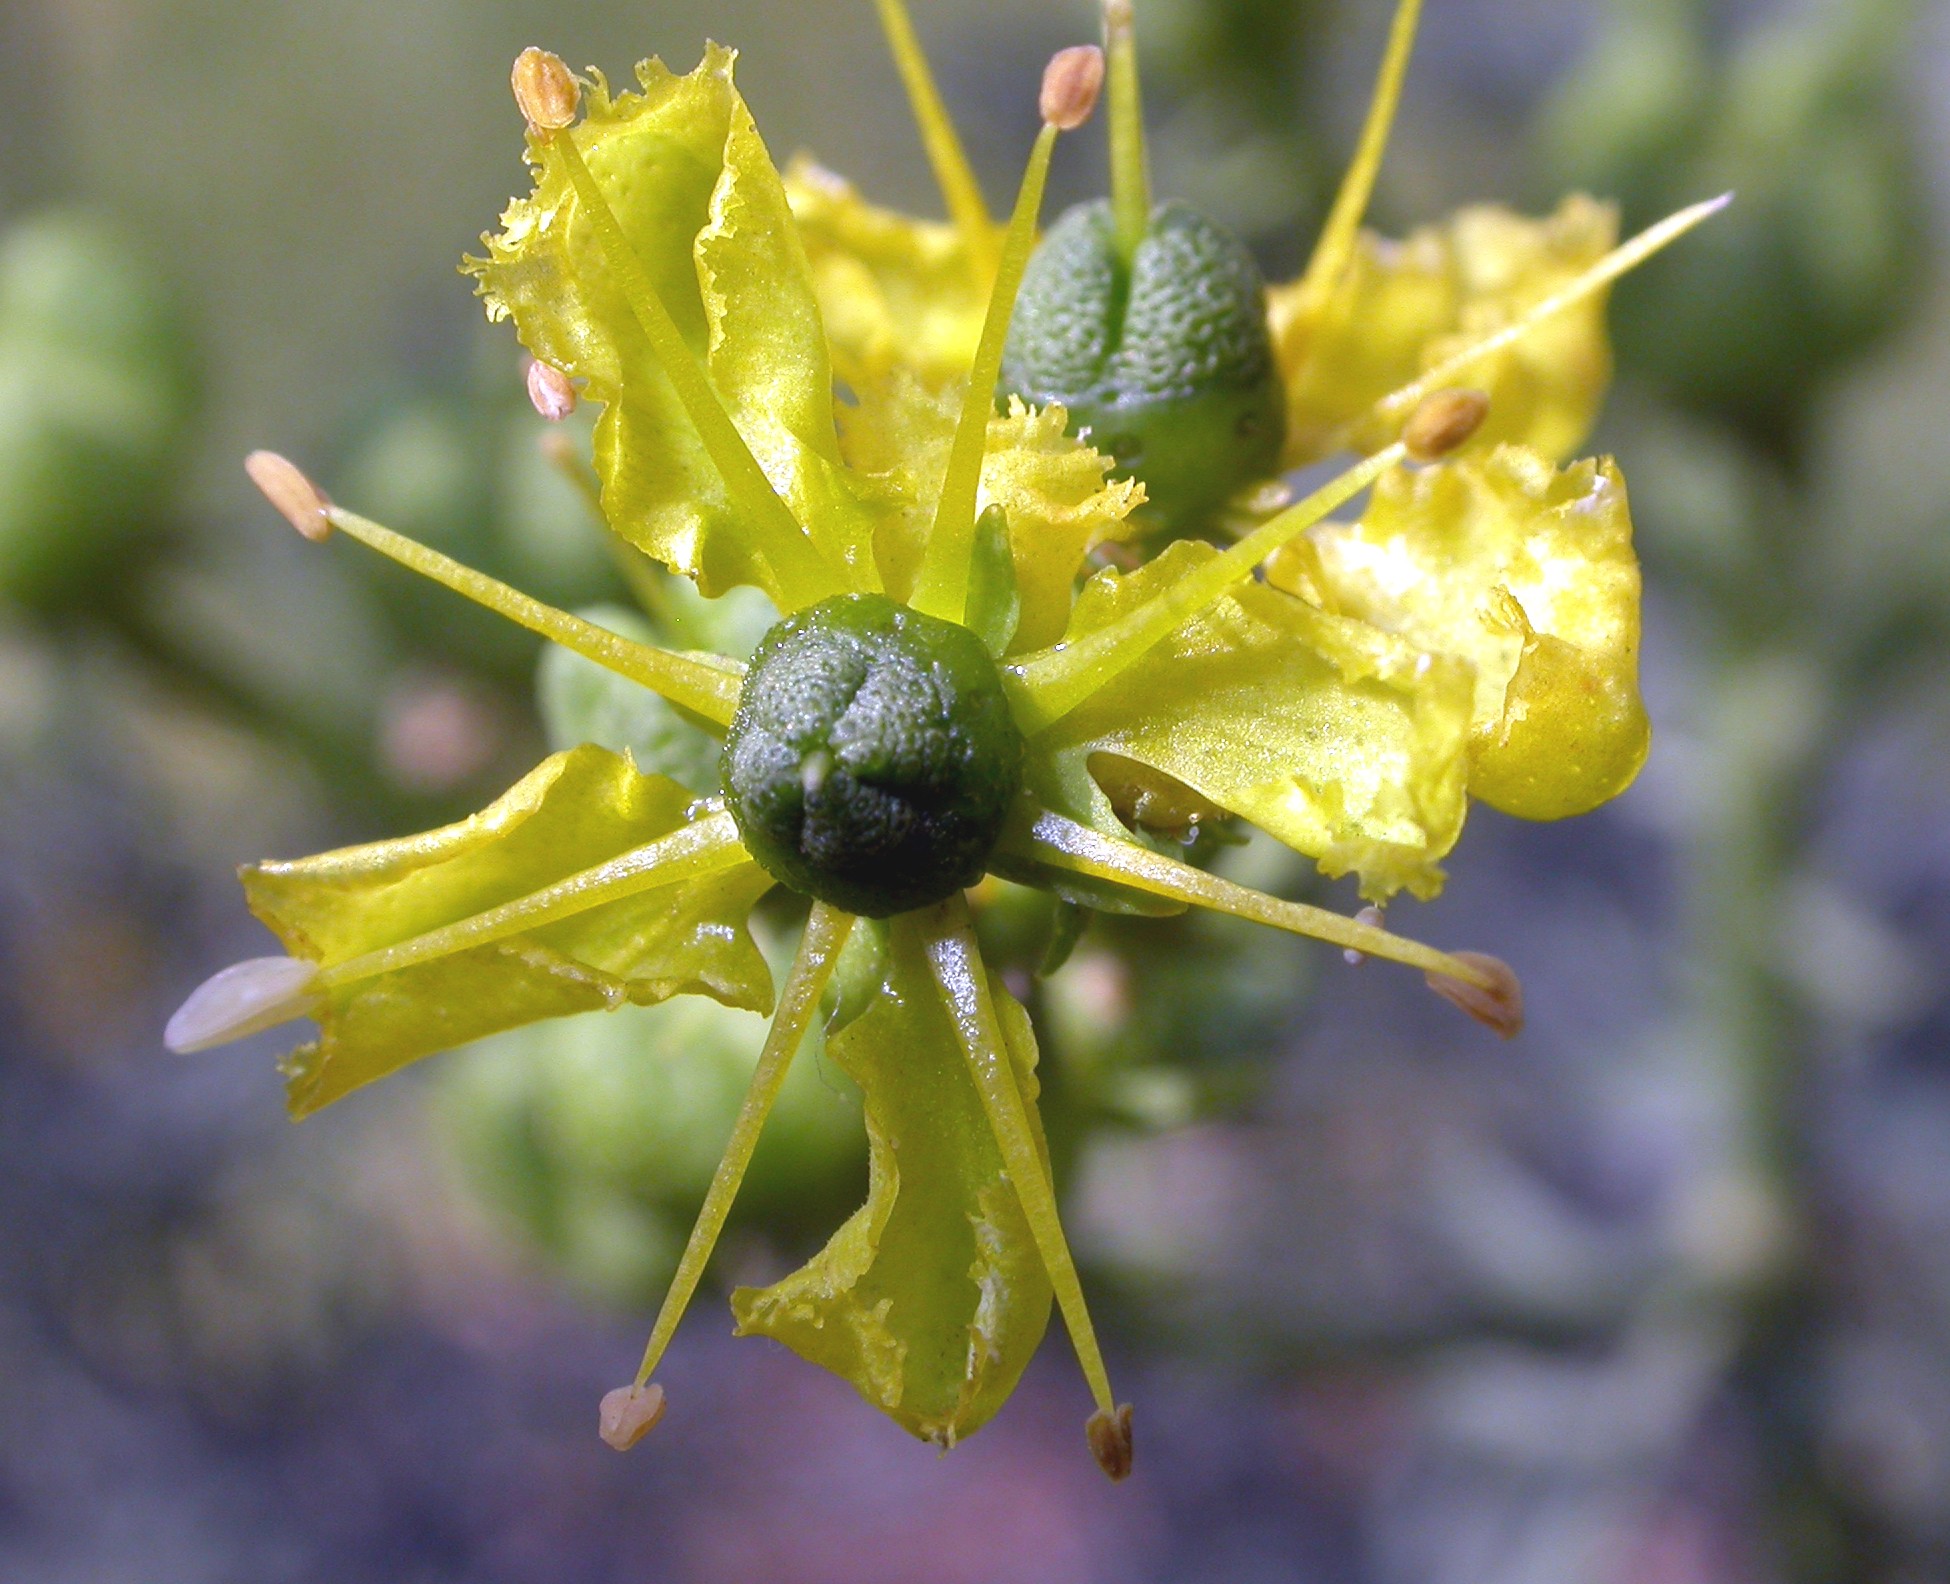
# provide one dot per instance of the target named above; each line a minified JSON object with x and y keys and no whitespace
{"x":1166,"y":362}
{"x":873,"y":758}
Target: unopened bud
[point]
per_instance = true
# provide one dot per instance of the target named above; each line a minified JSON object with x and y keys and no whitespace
{"x":243,"y":999}
{"x":1496,"y":1002}
{"x":629,"y":1413}
{"x":303,"y":503}
{"x":1070,"y":85}
{"x":1110,"y":1440}
{"x":1445,"y":420}
{"x":1372,"y":917}
{"x":549,"y":389}
{"x":545,"y":89}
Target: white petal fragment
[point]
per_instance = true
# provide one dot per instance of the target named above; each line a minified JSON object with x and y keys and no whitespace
{"x":244,"y":998}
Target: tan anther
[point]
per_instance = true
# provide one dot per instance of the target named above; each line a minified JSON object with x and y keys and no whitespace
{"x":549,"y":389}
{"x":303,"y":503}
{"x":1110,"y":1440}
{"x":545,"y":89}
{"x":1372,"y":917}
{"x":1071,"y":83}
{"x":1444,"y":421}
{"x":629,"y":1413}
{"x":1496,"y":1003}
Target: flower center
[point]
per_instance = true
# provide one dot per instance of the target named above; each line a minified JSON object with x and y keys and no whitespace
{"x":873,"y":758}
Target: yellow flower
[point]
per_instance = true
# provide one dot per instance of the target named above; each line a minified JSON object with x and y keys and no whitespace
{"x":936,"y":702}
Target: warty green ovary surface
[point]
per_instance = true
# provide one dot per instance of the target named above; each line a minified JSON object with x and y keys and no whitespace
{"x":873,"y":757}
{"x":1167,"y":362}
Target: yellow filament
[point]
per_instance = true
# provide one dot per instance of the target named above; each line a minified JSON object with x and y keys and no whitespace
{"x":804,"y":574}
{"x":942,"y":589}
{"x":1626,"y":256}
{"x":1046,"y":686}
{"x":956,"y":962}
{"x":819,"y":949}
{"x":708,"y":688}
{"x":1328,"y":266}
{"x":960,"y":191}
{"x":703,"y":847}
{"x":1130,"y":169}
{"x":1064,"y":844}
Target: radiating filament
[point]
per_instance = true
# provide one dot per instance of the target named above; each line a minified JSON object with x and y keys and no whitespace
{"x":960,"y":190}
{"x":708,"y":688}
{"x":819,"y":950}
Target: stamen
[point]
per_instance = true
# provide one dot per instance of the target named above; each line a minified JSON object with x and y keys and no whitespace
{"x":550,"y":390}
{"x":819,"y":950}
{"x":957,"y":965}
{"x":804,"y":573}
{"x":1046,"y":686}
{"x":302,"y":503}
{"x":245,"y":998}
{"x":1130,"y":169}
{"x":628,"y":1414}
{"x":1626,"y":256}
{"x":1444,"y":423}
{"x":942,"y":588}
{"x":545,"y":89}
{"x":960,"y":190}
{"x":700,"y":848}
{"x":1109,"y":1435}
{"x":708,"y":688}
{"x":1064,"y":844}
{"x":1494,"y":999}
{"x":1327,"y":269}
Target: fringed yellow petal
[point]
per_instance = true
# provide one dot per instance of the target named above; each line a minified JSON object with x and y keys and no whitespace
{"x":1401,"y":307}
{"x":1347,"y":743}
{"x":1059,"y":503}
{"x":1528,"y":573}
{"x":574,"y":812}
{"x":896,"y":293}
{"x":932,"y":1298}
{"x":688,"y":178}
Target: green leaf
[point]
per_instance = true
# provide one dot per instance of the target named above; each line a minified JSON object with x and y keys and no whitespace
{"x":1348,"y":744}
{"x":932,"y":1298}
{"x":572,"y":812}
{"x":688,"y":177}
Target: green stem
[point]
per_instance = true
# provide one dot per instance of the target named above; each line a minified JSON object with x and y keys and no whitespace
{"x":960,"y":191}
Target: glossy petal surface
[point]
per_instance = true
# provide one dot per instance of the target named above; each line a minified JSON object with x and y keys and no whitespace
{"x":932,"y":1298}
{"x":1345,"y":742}
{"x":573,"y":811}
{"x":1527,"y":572}
{"x":1405,"y":306}
{"x":688,"y":177}
{"x":897,"y":293}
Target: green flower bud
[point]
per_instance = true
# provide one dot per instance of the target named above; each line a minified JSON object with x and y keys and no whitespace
{"x":1165,"y":362}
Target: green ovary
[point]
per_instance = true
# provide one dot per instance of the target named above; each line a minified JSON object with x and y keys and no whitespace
{"x":1166,"y":362}
{"x":873,"y":757}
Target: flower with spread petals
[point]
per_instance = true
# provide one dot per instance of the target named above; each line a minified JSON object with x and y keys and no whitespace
{"x":938,"y":701}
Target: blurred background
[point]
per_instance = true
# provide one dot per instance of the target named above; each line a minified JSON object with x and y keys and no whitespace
{"x":1658,"y":1293}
